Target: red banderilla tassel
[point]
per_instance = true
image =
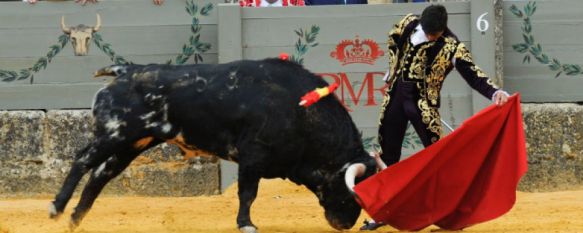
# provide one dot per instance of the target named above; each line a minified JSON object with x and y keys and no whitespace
{"x":315,"y":95}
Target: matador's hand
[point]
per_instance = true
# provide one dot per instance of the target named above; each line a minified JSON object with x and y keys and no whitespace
{"x":500,"y":98}
{"x":377,"y":157}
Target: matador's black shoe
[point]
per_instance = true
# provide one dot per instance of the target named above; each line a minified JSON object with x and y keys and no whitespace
{"x":371,"y":225}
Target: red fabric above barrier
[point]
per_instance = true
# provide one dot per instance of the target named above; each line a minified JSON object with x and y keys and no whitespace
{"x":467,"y":177}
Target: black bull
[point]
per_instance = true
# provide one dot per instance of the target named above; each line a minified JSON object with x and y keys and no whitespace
{"x":243,"y":111}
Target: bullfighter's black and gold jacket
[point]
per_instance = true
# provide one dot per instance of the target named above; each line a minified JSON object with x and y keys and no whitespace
{"x":428,"y":64}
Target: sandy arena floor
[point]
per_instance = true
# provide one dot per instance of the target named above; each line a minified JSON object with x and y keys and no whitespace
{"x":280,"y":207}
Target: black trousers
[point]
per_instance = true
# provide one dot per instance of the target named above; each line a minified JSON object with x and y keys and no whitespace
{"x":401,"y":109}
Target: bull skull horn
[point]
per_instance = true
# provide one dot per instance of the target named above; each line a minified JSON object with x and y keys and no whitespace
{"x":97,"y":24}
{"x":64,"y":27}
{"x":353,"y":171}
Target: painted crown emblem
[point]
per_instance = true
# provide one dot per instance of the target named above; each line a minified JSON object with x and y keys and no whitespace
{"x":357,"y":51}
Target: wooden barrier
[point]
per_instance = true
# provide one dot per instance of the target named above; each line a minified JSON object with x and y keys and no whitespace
{"x":140,"y":32}
{"x":542,"y":50}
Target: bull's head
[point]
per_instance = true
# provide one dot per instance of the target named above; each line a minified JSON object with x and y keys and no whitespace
{"x":80,"y":35}
{"x":338,"y":200}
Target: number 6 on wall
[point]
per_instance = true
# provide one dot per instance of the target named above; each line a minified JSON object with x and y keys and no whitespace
{"x":482,"y":24}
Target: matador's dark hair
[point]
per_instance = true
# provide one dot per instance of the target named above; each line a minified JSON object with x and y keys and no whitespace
{"x":434,"y":19}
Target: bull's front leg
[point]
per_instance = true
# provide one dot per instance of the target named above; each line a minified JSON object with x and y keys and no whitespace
{"x":86,"y":159}
{"x":248,"y":184}
{"x":101,"y":175}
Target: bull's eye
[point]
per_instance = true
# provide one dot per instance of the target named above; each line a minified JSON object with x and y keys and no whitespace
{"x":87,"y":40}
{"x":74,"y":41}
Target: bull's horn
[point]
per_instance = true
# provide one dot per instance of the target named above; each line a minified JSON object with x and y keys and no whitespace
{"x":97,"y":24}
{"x":114,"y":70}
{"x":353,"y":171}
{"x":64,"y":27}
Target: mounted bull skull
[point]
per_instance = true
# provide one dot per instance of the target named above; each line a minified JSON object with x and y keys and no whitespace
{"x":80,"y":35}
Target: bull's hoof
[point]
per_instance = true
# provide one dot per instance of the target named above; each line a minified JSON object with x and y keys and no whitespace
{"x":76,"y":218}
{"x":53,"y":213}
{"x":73,"y":224}
{"x":248,"y":229}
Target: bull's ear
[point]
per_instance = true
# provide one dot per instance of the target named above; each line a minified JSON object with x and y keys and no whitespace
{"x":115,"y":70}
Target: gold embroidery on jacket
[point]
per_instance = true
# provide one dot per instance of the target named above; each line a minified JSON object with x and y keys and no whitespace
{"x":417,"y":67}
{"x":432,"y":86}
{"x":400,"y":27}
{"x":429,"y":116}
{"x":393,"y":53}
{"x":383,"y":108}
{"x":464,"y":54}
{"x":439,"y":67}
{"x":491,"y":83}
{"x":397,"y":31}
{"x":479,"y":72}
{"x":382,"y":116}
{"x":392,"y":61}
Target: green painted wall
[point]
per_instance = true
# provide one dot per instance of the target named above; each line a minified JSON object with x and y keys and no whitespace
{"x":543,"y":50}
{"x":138,"y":31}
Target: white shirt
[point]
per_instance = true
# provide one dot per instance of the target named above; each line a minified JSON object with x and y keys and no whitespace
{"x":419,"y":36}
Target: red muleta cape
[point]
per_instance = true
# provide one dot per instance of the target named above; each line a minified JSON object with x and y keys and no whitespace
{"x":467,"y":177}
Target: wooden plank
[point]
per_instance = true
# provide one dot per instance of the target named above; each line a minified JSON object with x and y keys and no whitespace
{"x":130,"y":40}
{"x":536,"y":81}
{"x":81,"y":69}
{"x":548,"y":10}
{"x":456,"y":94}
{"x":113,"y":12}
{"x":565,"y":53}
{"x":514,"y":65}
{"x":47,"y":96}
{"x":538,"y":90}
{"x":229,"y":31}
{"x":483,"y":18}
{"x":318,"y":59}
{"x":280,"y":31}
{"x":229,"y":173}
{"x":348,"y":11}
{"x":545,"y":32}
{"x":15,"y":65}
